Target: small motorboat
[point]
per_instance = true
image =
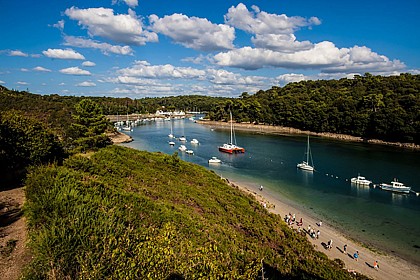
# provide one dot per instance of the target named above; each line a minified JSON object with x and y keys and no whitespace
{"x":195,"y":142}
{"x":360,"y":180}
{"x":395,"y":186}
{"x":182,"y":148}
{"x":214,"y":160}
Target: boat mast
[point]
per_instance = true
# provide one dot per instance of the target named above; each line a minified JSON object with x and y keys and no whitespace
{"x":231,"y":128}
{"x":307,"y":152}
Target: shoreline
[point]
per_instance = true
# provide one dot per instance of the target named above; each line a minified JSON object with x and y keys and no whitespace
{"x":390,"y":265}
{"x":282,"y":130}
{"x":119,"y":137}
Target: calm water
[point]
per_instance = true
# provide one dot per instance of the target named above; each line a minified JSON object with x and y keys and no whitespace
{"x":383,"y":219}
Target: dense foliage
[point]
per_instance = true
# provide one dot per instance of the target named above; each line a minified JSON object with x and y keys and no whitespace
{"x":373,"y":107}
{"x":24,"y":141}
{"x":127,"y":214}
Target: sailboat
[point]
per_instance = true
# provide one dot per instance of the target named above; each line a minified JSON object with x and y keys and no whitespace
{"x":171,"y":135}
{"x":231,"y":147}
{"x":305,"y":165}
{"x":127,"y":127}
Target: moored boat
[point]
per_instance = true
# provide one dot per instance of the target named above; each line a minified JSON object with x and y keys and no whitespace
{"x":190,"y":152}
{"x":214,"y":160}
{"x":395,"y":186}
{"x":360,"y":180}
{"x":230,"y":147}
{"x":195,"y":141}
{"x":172,"y":143}
{"x":305,"y":165}
{"x":182,"y":148}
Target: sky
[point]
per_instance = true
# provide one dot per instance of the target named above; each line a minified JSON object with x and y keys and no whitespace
{"x":143,"y":48}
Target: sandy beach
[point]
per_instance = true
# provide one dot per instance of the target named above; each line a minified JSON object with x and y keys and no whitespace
{"x":390,"y":267}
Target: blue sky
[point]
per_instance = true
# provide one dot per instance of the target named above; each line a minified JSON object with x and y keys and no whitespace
{"x":136,"y":49}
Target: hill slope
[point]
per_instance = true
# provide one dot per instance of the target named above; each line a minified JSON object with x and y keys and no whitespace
{"x":128,"y":214}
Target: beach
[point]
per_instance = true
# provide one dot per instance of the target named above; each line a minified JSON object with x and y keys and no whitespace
{"x":390,"y":266}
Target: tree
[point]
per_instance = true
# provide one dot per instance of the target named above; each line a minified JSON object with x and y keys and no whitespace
{"x":24,"y":141}
{"x":88,"y":130}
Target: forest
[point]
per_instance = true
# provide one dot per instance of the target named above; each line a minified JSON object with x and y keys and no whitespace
{"x":372,"y":107}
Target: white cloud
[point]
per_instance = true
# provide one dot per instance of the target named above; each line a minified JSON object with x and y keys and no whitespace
{"x":86,"y":84}
{"x":2,"y":82}
{"x":24,"y":69}
{"x":145,"y":70}
{"x":130,"y":3}
{"x":104,"y":47}
{"x":18,"y":53}
{"x":61,"y":84}
{"x":75,"y":71}
{"x":223,"y":77}
{"x":59,"y":25}
{"x":63,"y":54}
{"x":324,"y":56}
{"x":22,"y":83}
{"x":124,"y":28}
{"x":193,"y":32}
{"x":291,"y":78}
{"x":280,"y":42}
{"x":257,"y":22}
{"x":41,"y":69}
{"x":88,"y":64}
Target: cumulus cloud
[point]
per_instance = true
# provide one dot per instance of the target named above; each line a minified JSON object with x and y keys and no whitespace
{"x":86,"y":84}
{"x":291,"y":78}
{"x":63,"y":54}
{"x":223,"y":77}
{"x":17,"y":53}
{"x":324,"y":55}
{"x":103,"y":47}
{"x":280,"y":42}
{"x":193,"y":32}
{"x":75,"y":71}
{"x":130,"y":3}
{"x":88,"y":64}
{"x":259,"y":22}
{"x":145,"y":70}
{"x":123,"y":28}
{"x":41,"y":69}
{"x":22,"y":83}
{"x":59,"y":25}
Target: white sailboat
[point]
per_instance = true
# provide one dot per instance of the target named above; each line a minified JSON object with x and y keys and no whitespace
{"x":127,"y":127}
{"x":307,"y":165}
{"x":172,"y":133}
{"x":231,"y":147}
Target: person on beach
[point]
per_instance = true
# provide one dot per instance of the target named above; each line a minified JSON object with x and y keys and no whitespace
{"x":375,"y":265}
{"x":356,"y":256}
{"x":261,"y":188}
{"x":318,"y":233}
{"x":329,"y":246}
{"x":345,"y":248}
{"x":320,"y":223}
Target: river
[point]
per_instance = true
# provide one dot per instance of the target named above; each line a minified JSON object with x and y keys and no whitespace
{"x":380,"y":219}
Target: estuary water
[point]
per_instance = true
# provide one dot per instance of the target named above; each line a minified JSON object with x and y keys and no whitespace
{"x":382,"y":219}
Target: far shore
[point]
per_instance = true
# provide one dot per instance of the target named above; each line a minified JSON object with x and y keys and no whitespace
{"x":270,"y":129}
{"x":390,"y":266}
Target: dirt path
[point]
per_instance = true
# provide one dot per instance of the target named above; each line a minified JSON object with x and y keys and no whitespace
{"x":14,"y":254}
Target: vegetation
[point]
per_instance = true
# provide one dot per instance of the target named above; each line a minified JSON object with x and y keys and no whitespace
{"x":373,"y":107}
{"x":24,"y":141}
{"x":127,"y":214}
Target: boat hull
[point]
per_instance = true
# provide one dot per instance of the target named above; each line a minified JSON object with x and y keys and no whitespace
{"x":305,"y":166}
{"x":237,"y":150}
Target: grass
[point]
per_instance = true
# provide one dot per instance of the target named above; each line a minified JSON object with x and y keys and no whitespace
{"x":128,"y":214}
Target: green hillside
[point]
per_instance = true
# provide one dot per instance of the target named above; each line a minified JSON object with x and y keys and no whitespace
{"x":128,"y":214}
